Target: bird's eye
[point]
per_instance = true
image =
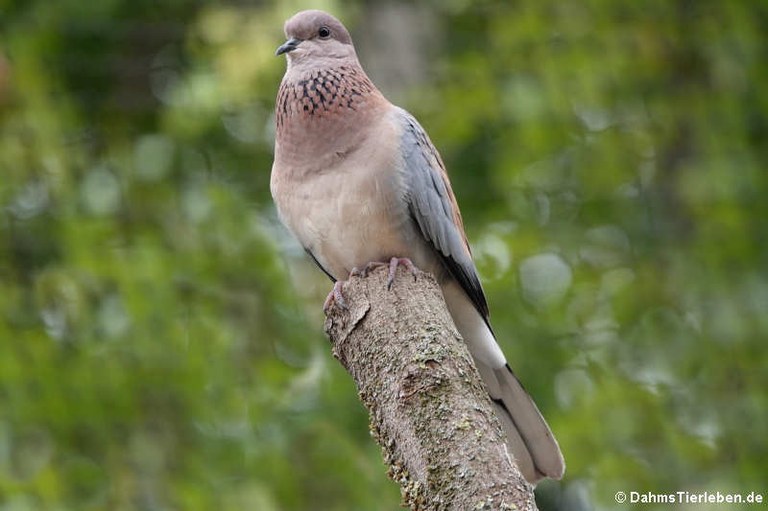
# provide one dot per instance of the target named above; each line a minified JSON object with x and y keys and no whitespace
{"x":324,"y":32}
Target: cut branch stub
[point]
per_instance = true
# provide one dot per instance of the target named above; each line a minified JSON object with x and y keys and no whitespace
{"x":428,"y":408}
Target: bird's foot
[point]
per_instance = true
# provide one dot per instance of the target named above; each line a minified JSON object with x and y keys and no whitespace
{"x":335,"y":296}
{"x":367,"y":269}
{"x":392,"y":265}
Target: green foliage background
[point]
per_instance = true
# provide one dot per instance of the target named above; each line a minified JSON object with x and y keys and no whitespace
{"x":160,"y":337}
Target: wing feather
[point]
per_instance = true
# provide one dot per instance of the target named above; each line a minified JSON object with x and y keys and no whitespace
{"x":433,"y":207}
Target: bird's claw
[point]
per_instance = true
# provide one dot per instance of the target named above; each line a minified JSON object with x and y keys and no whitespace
{"x":367,"y":269}
{"x":394,"y":263}
{"x":335,"y":296}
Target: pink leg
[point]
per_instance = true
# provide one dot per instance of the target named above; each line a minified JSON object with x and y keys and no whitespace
{"x":393,"y":263}
{"x":368,"y":268}
{"x":335,"y":296}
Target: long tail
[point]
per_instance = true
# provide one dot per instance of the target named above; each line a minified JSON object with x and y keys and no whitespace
{"x":529,"y":438}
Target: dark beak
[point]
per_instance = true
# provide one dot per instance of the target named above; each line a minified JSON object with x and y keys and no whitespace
{"x":288,"y":46}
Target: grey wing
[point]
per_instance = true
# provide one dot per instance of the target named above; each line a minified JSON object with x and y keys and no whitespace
{"x":433,"y":207}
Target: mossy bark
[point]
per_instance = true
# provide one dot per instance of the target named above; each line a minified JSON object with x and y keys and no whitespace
{"x":429,"y":410}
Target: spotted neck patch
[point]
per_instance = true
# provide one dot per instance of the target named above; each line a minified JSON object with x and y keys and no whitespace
{"x":322,"y":92}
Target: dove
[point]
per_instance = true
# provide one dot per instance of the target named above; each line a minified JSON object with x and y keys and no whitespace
{"x":358,"y":181}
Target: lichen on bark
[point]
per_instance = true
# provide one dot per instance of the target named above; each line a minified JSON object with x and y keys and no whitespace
{"x":428,"y":408}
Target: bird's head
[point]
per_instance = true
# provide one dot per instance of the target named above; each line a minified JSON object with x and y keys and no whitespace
{"x":316,"y":36}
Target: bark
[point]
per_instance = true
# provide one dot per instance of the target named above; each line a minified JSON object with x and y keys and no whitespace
{"x":428,"y":408}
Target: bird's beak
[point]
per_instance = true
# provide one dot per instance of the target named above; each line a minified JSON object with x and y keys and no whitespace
{"x":288,"y":46}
